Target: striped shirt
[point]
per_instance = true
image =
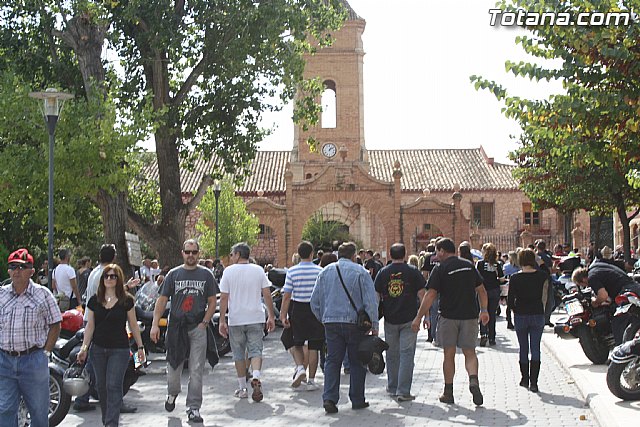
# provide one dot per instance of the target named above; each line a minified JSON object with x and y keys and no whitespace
{"x":301,"y":280}
{"x":25,"y":319}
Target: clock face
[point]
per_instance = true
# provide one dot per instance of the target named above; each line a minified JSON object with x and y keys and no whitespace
{"x":329,"y":150}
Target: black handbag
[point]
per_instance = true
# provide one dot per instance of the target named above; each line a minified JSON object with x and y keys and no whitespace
{"x":363,"y":321}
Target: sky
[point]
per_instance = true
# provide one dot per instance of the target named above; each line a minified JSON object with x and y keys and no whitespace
{"x":419,"y":55}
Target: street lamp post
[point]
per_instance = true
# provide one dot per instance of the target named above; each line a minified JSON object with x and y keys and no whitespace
{"x":216,"y":193}
{"x":53,"y":101}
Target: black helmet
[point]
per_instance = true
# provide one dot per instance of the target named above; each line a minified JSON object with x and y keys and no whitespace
{"x":369,"y":346}
{"x":376,"y":364}
{"x":75,"y":380}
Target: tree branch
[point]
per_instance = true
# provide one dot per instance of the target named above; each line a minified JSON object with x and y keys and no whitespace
{"x":635,"y":214}
{"x":202,"y":190}
{"x":190,"y":81}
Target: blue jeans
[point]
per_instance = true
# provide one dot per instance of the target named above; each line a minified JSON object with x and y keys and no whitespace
{"x":529,"y":329}
{"x":27,"y":377}
{"x":341,"y":338}
{"x":110,"y":365}
{"x":402,"y":349}
{"x":489,"y":329}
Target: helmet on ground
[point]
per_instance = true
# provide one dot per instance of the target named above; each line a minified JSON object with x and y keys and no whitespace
{"x":75,"y":380}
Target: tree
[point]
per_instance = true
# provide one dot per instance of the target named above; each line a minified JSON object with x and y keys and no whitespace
{"x":206,"y":70}
{"x":579,"y":149}
{"x":236,"y":224}
{"x":322,"y":232}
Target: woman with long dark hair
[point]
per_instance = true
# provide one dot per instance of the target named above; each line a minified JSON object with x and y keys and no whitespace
{"x":527,"y":298}
{"x":108,"y":313}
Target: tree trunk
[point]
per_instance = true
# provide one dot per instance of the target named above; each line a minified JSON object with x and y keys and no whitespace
{"x":626,"y":231}
{"x":114,"y":221}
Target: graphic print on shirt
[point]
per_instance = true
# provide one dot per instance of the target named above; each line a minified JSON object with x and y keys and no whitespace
{"x":396,"y":285}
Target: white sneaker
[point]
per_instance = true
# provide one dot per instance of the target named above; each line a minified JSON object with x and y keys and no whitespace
{"x":241,"y":393}
{"x":299,"y":377}
{"x":312,"y":386}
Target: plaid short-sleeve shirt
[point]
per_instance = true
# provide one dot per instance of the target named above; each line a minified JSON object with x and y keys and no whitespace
{"x":25,"y":319}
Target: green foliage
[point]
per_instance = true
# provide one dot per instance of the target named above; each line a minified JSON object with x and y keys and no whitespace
{"x":236,"y":223}
{"x":4,"y":256}
{"x":578,"y":149}
{"x":322,"y":233}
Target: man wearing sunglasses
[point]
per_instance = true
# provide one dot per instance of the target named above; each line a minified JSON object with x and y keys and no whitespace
{"x":192,"y":290}
{"x":30,"y":320}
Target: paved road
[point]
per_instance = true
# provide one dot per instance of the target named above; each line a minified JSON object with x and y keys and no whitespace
{"x":559,"y":403}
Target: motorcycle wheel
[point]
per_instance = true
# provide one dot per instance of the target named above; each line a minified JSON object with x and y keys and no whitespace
{"x":594,"y":347}
{"x":59,"y":401}
{"x":623,"y":379}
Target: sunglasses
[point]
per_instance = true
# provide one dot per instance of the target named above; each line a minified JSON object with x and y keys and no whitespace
{"x":110,"y":276}
{"x":19,"y":267}
{"x":194,"y":252}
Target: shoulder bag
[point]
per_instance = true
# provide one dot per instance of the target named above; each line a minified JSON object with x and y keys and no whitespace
{"x":363,"y":321}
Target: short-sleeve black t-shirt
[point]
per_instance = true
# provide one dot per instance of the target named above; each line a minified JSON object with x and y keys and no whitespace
{"x":456,"y":280}
{"x":490,"y":274}
{"x":608,"y":276}
{"x":525,"y":292}
{"x":189,"y":291}
{"x":110,"y":324}
{"x":398,"y":284}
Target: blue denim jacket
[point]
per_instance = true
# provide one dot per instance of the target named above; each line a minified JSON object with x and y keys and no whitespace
{"x":330,"y":303}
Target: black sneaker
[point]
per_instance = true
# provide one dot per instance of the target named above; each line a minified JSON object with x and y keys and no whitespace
{"x":83,"y":406}
{"x":477,"y":395}
{"x":194,"y":415}
{"x":447,"y":398}
{"x":483,"y":341}
{"x":330,"y":407}
{"x":170,"y":403}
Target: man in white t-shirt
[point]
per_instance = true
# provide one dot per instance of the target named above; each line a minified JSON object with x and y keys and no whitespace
{"x":64,"y":279}
{"x":241,"y":287}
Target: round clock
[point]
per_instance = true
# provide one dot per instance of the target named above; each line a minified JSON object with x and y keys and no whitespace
{"x":329,"y":150}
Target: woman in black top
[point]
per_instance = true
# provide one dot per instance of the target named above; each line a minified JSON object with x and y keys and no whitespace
{"x":492,"y":276}
{"x":108,"y":312}
{"x":527,"y":297}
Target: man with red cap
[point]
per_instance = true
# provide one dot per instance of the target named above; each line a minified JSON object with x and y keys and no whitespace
{"x":30,"y":320}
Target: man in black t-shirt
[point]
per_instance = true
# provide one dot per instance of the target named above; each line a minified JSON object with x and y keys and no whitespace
{"x":457,"y":282}
{"x":399,"y":286}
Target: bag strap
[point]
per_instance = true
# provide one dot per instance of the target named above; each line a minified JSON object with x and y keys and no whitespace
{"x":345,"y":289}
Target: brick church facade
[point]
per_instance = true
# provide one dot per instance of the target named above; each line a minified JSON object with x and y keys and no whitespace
{"x":382,"y":196}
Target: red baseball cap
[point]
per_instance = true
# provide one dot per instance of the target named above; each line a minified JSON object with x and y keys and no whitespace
{"x":21,"y":256}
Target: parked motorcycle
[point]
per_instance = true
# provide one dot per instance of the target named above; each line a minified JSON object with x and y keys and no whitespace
{"x":623,"y":373}
{"x":59,"y":400}
{"x":591,"y":325}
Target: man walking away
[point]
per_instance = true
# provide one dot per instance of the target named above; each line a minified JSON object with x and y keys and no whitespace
{"x":399,"y":286}
{"x":242,"y":286}
{"x":331,"y":306}
{"x":192,"y":290}
{"x":298,"y":286}
{"x":459,"y":285}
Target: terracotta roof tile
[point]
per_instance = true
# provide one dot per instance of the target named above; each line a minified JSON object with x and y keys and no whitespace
{"x":436,"y":170}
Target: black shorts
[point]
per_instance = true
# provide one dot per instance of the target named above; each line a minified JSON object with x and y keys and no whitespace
{"x":305,"y":326}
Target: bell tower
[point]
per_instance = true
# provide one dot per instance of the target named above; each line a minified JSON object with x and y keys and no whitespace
{"x":340,"y":132}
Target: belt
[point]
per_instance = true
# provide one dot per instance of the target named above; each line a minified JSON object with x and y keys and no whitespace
{"x":21,"y":353}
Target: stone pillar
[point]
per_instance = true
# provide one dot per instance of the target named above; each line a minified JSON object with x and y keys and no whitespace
{"x":284,"y":256}
{"x":396,"y":235}
{"x":578,"y":237}
{"x":526,"y":238}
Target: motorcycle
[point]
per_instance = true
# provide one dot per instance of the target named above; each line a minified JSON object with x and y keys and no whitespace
{"x":59,"y":400}
{"x":591,"y":325}
{"x":277,"y":277}
{"x":623,"y":373}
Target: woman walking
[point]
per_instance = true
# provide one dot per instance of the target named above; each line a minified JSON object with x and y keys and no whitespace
{"x":492,"y":276}
{"x":527,"y":297}
{"x":510,"y":268}
{"x":108,"y":312}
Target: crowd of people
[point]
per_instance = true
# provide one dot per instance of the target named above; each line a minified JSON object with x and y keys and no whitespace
{"x":453,"y":292}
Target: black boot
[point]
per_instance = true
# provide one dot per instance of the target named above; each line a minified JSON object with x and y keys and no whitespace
{"x":524,"y":371}
{"x":533,"y":375}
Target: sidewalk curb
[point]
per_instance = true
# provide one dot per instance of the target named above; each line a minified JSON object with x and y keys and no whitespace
{"x":595,"y":401}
